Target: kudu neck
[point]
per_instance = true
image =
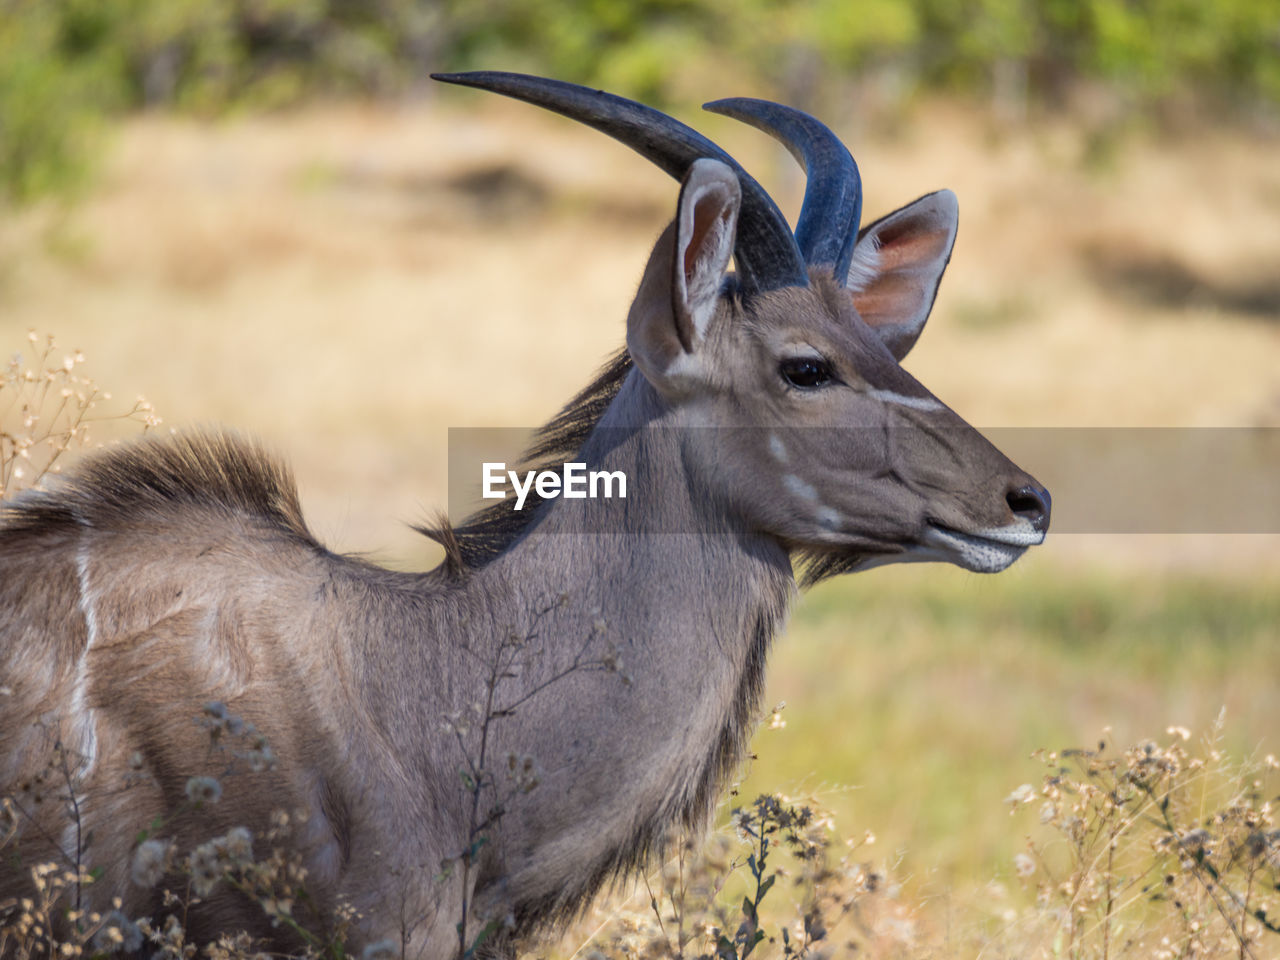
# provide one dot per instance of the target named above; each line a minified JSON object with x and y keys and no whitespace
{"x":640,"y":437}
{"x":686,"y":599}
{"x":668,"y":539}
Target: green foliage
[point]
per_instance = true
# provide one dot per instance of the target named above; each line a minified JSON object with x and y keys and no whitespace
{"x":49,"y":102}
{"x":210,"y":54}
{"x":1149,"y":50}
{"x":64,"y":64}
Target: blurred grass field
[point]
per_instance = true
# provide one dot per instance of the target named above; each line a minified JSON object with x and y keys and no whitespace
{"x":350,"y":282}
{"x":915,"y":699}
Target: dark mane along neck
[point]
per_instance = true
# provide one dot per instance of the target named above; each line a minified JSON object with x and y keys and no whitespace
{"x":487,"y":533}
{"x":203,"y":470}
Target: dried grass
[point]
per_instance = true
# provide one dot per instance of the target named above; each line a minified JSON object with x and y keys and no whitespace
{"x":348,"y":276}
{"x":304,"y":254}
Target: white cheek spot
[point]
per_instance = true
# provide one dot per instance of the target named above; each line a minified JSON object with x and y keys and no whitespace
{"x":902,"y":400}
{"x":799,"y":487}
{"x":777,"y":450}
{"x":828,"y":518}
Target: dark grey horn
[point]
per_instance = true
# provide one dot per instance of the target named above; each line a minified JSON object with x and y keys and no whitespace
{"x":766,"y":254}
{"x":828,"y":224}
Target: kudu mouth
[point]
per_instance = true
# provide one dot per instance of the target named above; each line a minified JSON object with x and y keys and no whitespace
{"x":985,"y":551}
{"x":982,"y":525}
{"x":982,"y":550}
{"x":992,"y":549}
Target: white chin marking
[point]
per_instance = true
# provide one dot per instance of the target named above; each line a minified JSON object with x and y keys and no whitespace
{"x":803,"y":490}
{"x":982,"y":551}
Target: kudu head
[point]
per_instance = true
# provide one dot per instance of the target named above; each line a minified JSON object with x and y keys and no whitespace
{"x":821,"y":439}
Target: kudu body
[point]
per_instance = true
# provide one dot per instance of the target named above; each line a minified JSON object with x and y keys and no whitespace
{"x":762,"y":419}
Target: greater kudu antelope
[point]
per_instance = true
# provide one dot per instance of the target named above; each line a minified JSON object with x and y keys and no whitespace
{"x":764,"y":421}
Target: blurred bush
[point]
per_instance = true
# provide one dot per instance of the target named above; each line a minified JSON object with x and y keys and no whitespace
{"x":64,"y":64}
{"x":49,"y":101}
{"x":67,"y":64}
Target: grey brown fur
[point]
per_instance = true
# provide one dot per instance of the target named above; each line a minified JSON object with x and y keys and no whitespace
{"x":172,"y":573}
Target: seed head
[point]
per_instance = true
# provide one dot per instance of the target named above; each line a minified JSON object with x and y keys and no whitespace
{"x":206,"y":869}
{"x":202,"y":790}
{"x":149,"y":863}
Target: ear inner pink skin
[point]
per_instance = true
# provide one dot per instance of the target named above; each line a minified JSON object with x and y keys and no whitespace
{"x":897,"y":266}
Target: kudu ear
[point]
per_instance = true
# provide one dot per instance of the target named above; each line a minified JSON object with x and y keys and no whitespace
{"x":897,"y":265}
{"x":681,"y":285}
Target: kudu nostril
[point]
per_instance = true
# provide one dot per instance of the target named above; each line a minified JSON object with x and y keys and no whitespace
{"x":1032,"y":503}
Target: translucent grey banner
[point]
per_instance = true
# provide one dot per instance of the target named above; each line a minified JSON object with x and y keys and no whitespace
{"x":1199,"y":480}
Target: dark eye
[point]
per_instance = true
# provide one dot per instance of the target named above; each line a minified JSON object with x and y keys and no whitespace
{"x":805,"y":372}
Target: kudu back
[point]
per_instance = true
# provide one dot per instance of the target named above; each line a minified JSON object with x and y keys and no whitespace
{"x":766,"y":427}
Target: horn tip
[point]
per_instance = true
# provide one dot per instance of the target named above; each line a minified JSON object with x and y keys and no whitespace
{"x":482,"y":78}
{"x":728,"y":106}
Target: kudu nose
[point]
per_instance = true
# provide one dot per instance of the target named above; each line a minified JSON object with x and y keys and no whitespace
{"x":1031,"y":502}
